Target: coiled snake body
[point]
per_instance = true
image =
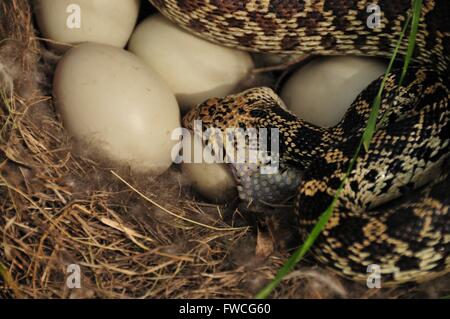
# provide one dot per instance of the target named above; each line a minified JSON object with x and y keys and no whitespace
{"x":394,"y":209}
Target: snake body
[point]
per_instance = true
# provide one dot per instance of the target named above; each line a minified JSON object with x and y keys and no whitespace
{"x":394,"y":210}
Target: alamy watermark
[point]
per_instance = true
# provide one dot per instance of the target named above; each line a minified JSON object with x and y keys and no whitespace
{"x":73,"y":280}
{"x":374,"y":19}
{"x":73,"y":20}
{"x":374,"y":277}
{"x":232,"y":146}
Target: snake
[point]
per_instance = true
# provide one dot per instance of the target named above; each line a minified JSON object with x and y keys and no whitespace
{"x":393,"y":209}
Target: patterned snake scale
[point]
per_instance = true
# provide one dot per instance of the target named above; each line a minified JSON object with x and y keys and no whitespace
{"x":394,"y":211}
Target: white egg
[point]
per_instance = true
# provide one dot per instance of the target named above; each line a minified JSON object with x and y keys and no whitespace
{"x":194,"y":68}
{"x":110,"y":99}
{"x":213,"y":181}
{"x":321,"y":91}
{"x":73,"y":22}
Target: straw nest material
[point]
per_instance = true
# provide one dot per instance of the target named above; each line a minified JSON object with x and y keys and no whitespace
{"x":132,"y":236}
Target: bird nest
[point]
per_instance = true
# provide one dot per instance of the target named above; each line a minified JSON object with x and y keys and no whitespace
{"x":131,"y":236}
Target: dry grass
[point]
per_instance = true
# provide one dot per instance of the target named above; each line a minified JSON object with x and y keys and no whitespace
{"x":133,"y":236}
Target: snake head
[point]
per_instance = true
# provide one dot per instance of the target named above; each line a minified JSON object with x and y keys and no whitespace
{"x":253,"y":108}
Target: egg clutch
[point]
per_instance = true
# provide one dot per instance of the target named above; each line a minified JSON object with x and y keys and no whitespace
{"x":124,"y":80}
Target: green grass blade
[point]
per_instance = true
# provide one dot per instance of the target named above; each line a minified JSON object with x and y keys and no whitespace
{"x":365,"y":141}
{"x":417,"y":8}
{"x":372,"y":122}
{"x":299,"y":253}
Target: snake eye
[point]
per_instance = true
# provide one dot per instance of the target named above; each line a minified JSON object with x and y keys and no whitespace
{"x":258,"y":113}
{"x":212,"y":110}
